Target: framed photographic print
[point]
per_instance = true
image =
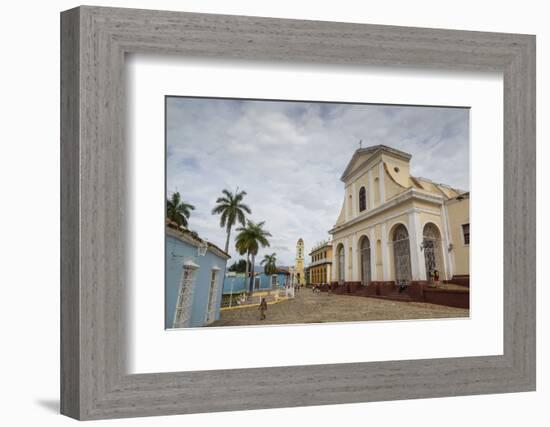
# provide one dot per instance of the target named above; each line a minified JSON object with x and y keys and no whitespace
{"x":277,"y":213}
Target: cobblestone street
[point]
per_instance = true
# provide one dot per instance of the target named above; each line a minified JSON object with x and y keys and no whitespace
{"x":308,"y":307}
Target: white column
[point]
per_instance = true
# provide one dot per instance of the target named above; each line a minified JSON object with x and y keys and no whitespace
{"x":354,"y":258}
{"x":372,"y":238}
{"x":371,"y":190}
{"x":385,"y":253}
{"x":418,"y":267}
{"x":446,"y":238}
{"x":347,"y":260}
{"x":381,"y":182}
{"x":443,"y":249}
{"x":354,"y":207}
{"x":335,"y":244}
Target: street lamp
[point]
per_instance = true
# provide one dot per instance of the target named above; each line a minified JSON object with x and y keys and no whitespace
{"x":202,"y":248}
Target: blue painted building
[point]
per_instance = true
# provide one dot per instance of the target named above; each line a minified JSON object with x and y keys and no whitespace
{"x":195,"y":271}
{"x":236,"y":283}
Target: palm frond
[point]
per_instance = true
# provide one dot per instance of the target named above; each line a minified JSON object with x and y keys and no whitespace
{"x":178,"y":210}
{"x":228,"y":194}
{"x":175,"y":198}
{"x":223,"y":201}
{"x":240,"y":217}
{"x":245,"y":208}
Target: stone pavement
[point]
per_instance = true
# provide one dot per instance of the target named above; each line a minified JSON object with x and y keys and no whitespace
{"x":308,"y":307}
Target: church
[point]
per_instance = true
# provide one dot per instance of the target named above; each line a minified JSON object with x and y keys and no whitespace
{"x":397,"y":230}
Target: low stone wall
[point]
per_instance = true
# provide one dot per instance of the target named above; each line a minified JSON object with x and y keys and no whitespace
{"x":460,"y":279}
{"x":346,"y":287}
{"x":448,"y":297}
{"x":417,"y":291}
{"x":384,"y":288}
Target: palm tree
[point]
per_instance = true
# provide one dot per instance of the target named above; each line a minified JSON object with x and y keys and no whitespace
{"x":249,"y":239}
{"x":177,"y":210}
{"x":269,"y":263}
{"x":231,"y":209}
{"x":242,"y":248}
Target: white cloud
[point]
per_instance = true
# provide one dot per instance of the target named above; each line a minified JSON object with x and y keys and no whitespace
{"x":289,"y":156}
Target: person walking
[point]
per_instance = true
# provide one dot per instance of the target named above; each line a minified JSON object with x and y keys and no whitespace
{"x":262,"y":308}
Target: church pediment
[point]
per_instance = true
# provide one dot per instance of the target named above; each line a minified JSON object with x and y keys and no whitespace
{"x":359,"y":158}
{"x":362,"y":156}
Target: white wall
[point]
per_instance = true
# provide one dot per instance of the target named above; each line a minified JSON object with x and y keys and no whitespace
{"x":29,"y":177}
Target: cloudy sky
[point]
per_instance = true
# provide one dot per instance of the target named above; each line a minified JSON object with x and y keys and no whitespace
{"x":289,"y":156}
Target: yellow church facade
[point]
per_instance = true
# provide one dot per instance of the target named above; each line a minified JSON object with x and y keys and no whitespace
{"x":397,"y":229}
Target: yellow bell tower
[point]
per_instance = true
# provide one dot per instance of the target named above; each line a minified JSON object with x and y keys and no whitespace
{"x":300,"y":276}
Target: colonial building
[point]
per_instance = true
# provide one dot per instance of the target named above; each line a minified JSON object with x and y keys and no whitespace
{"x":320,"y":268}
{"x":195,"y":271}
{"x":397,"y":229}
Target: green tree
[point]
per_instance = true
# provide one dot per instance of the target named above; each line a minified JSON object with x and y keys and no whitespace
{"x":239,"y":266}
{"x":249,"y":240}
{"x":178,"y":210}
{"x":232,"y":209}
{"x":269,"y":263}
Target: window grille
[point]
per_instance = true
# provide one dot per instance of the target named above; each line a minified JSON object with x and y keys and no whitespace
{"x":402,"y":256}
{"x":431,"y":245}
{"x":362,"y":199}
{"x":466,"y":233}
{"x":182,"y":315}
{"x":211,"y":308}
{"x":365,"y":261}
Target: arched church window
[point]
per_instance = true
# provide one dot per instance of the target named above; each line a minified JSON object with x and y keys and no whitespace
{"x":341,"y":263}
{"x":362,"y":199}
{"x":433,"y":254}
{"x":401,"y":255}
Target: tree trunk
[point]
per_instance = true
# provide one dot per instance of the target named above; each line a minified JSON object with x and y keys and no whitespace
{"x":252,"y":274}
{"x":227,"y":240}
{"x":247,"y":267}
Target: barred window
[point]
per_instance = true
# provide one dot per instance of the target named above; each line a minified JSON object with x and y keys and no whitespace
{"x":466,"y":233}
{"x":185,"y":296}
{"x":362,"y":199}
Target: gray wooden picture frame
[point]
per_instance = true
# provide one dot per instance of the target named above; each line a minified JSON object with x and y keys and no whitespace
{"x":94,"y":381}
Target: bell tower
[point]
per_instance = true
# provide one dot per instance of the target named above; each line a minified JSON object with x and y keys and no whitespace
{"x":300,"y":276}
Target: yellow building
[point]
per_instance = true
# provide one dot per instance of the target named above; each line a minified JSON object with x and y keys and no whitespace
{"x":396,"y":228}
{"x":320,"y":269}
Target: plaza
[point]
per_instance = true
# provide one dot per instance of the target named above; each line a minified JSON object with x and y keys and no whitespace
{"x":309,"y":307}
